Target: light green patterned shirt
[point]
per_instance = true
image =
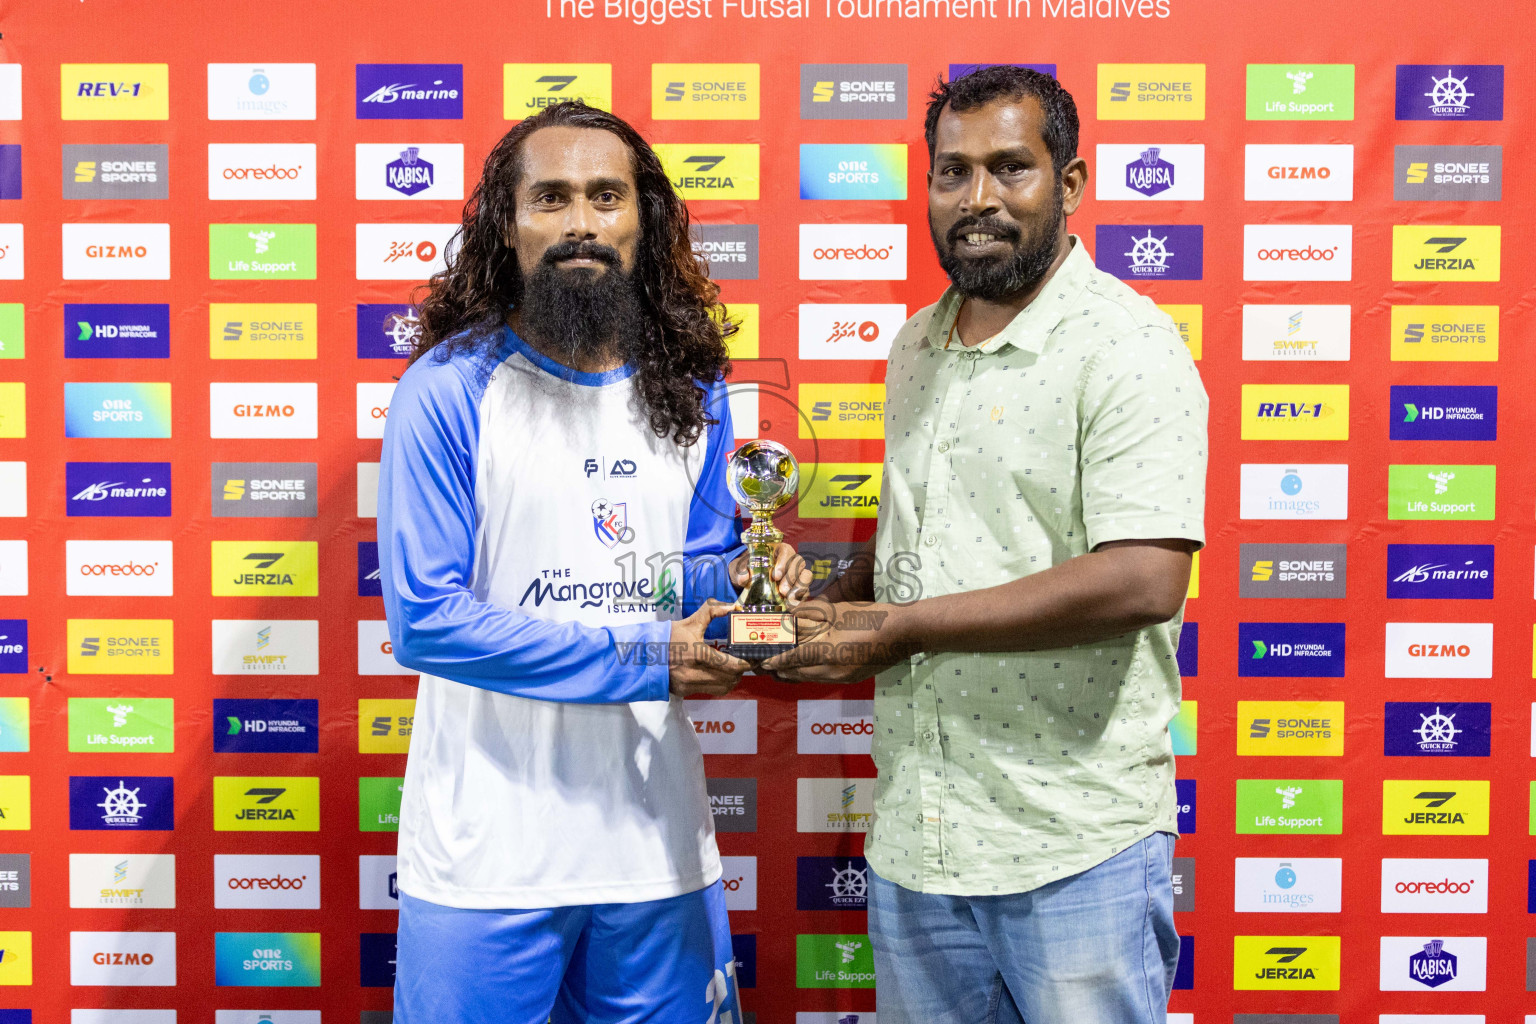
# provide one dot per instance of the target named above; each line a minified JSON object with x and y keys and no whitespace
{"x":1083,"y":422}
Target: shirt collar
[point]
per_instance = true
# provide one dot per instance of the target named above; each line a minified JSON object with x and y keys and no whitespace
{"x":1033,"y":324}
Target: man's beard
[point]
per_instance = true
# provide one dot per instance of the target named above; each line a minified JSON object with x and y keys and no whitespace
{"x":581,"y":314}
{"x":996,"y":279}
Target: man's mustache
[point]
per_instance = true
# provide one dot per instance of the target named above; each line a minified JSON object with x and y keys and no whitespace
{"x":1007,"y":232}
{"x":605,"y":254}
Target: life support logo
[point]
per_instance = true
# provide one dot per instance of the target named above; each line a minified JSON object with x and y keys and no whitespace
{"x":834,"y":726}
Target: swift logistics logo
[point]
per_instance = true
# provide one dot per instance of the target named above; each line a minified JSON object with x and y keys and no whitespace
{"x":261,"y":92}
{"x":117,"y":489}
{"x":120,"y":646}
{"x":111,"y":803}
{"x":1446,"y":252}
{"x":1455,"y":173}
{"x":113,"y":252}
{"x":116,"y":725}
{"x":1310,"y":885}
{"x":261,"y":252}
{"x":1150,"y":252}
{"x":1288,"y":412}
{"x":117,"y":409}
{"x":840,"y":490}
{"x":384,"y":725}
{"x":1301,"y":650}
{"x":1439,"y":650}
{"x":119,"y":880}
{"x":99,"y":171}
{"x":1425,"y":807}
{"x":114,"y":92}
{"x":834,"y":805}
{"x":1440,"y":492}
{"x":390,"y":170}
{"x":1151,"y":92}
{"x":1290,"y":728}
{"x":1444,"y":413}
{"x":1301,"y":92}
{"x":266,"y":959}
{"x":265,"y":568}
{"x":853,"y":171}
{"x":1445,"y":334}
{"x":1292,"y":172}
{"x":410,"y":91}
{"x":705,"y":92}
{"x":711,"y":170}
{"x":1433,"y":729}
{"x":1164,"y":171}
{"x":842,"y":410}
{"x":266,"y":647}
{"x":1293,"y":570}
{"x":266,"y":804}
{"x":1285,"y":962}
{"x":1298,"y":252}
{"x":250,"y":490}
{"x":1450,"y":92}
{"x":1440,"y":571}
{"x":262,"y":330}
{"x":730,"y":251}
{"x":257,"y":726}
{"x":527,"y":89}
{"x":853,"y":252}
{"x":117,"y":330}
{"x":1295,"y":333}
{"x":853,"y":92}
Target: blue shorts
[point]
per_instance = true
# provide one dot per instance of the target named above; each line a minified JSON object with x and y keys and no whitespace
{"x":661,"y":962}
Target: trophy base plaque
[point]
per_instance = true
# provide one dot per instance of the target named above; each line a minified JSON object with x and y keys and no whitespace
{"x":758,"y":636}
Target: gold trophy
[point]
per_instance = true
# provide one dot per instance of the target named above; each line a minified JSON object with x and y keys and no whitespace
{"x":762,"y":476}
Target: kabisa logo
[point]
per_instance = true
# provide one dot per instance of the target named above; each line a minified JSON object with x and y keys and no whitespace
{"x":116,"y":172}
{"x":730,"y":251}
{"x":13,"y":659}
{"x":1456,"y":173}
{"x":711,"y":171}
{"x":1433,"y":966}
{"x":1296,"y":962}
{"x":386,"y":331}
{"x":1291,"y":649}
{"x":705,"y":92}
{"x":1443,"y":571}
{"x":1438,"y":729}
{"x":1446,"y":252}
{"x":266,"y":804}
{"x":259,"y":726}
{"x":1151,"y":92}
{"x":529,"y":88}
{"x":853,"y":252}
{"x":1152,"y":171}
{"x":261,"y":92}
{"x":1445,"y":412}
{"x":117,"y":331}
{"x":831,"y":883}
{"x":1434,"y":807}
{"x":114,"y":92}
{"x":112,"y":803}
{"x":1150,"y":252}
{"x":1456,"y":92}
{"x":409,"y":174}
{"x":1150,"y":174}
{"x":840,"y":490}
{"x":1445,"y":333}
{"x":405,"y":91}
{"x":862,"y":92}
{"x":864,"y":171}
{"x":117,"y":488}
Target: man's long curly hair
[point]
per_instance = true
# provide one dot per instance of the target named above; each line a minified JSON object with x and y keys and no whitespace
{"x":686,"y":326}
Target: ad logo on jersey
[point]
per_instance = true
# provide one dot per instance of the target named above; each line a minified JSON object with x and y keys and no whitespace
{"x":263,"y":410}
{"x":120,"y":646}
{"x":117,"y":410}
{"x":1301,"y":92}
{"x":1434,"y":807}
{"x":265,"y":804}
{"x":610,"y":522}
{"x":835,"y":805}
{"x":404,"y":91}
{"x":1150,"y":252}
{"x":410,"y":170}
{"x":266,"y":726}
{"x":261,"y":92}
{"x":117,"y":331}
{"x":1434,"y":886}
{"x":1292,"y":570}
{"x":117,"y":488}
{"x":705,"y":92}
{"x":853,"y":252}
{"x":266,"y":647}
{"x":853,"y":92}
{"x":254,"y":882}
{"x":1445,"y":334}
{"x":1151,"y":92}
{"x":1298,"y":252}
{"x":711,"y":170}
{"x":1438,"y":729}
{"x":1444,"y":413}
{"x":267,"y":170}
{"x":1153,"y":171}
{"x":1285,"y":962}
{"x":116,"y":171}
{"x":1446,"y":252}
{"x":386,"y":331}
{"x":267,"y":959}
{"x":1301,"y":173}
{"x":114,"y":92}
{"x":831,"y":883}
{"x":1303,"y":650}
{"x":1439,"y":650}
{"x":264,"y":489}
{"x":1454,"y":92}
{"x":528,"y":88}
{"x":261,"y":252}
{"x":1287,"y":412}
{"x":1457,"y":173}
{"x":115,"y":252}
{"x":1300,"y":884}
{"x":110,"y":803}
{"x":864,"y":171}
{"x":729,"y":250}
{"x":1448,"y":571}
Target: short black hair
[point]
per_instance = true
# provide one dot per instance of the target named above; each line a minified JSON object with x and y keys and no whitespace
{"x":1008,"y":81}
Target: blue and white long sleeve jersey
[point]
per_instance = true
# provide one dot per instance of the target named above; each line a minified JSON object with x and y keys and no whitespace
{"x":534,"y":535}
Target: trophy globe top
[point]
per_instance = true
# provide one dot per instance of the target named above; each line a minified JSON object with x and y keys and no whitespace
{"x":763,"y":475}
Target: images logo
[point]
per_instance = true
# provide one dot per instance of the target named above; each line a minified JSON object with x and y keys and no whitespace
{"x":1438,"y":730}
{"x":110,"y":803}
{"x":1290,"y":728}
{"x":114,"y":92}
{"x":255,"y":726}
{"x":268,"y":568}
{"x":1151,"y":92}
{"x":1423,"y":807}
{"x":141,"y":725}
{"x":842,"y":410}
{"x":406,"y":91}
{"x":114,"y":252}
{"x":1456,"y":92}
{"x":1446,"y":252}
{"x":1445,"y":571}
{"x":840,"y":490}
{"x":117,"y":488}
{"x":1445,"y":333}
{"x":1285,"y":962}
{"x":529,"y":88}
{"x":1150,"y":252}
{"x":711,"y":170}
{"x":1302,"y":173}
{"x":1301,"y":92}
{"x":866,"y":171}
{"x":258,"y":252}
{"x":116,"y":171}
{"x":1310,"y":885}
{"x":263,"y":410}
{"x":1304,"y":650}
{"x":1292,"y":570}
{"x":287,"y":959}
{"x":1298,"y":252}
{"x":283,"y":170}
{"x":261,"y":92}
{"x":1284,"y":412}
{"x":266,"y":647}
{"x":705,"y":92}
{"x":1444,"y":413}
{"x":117,"y":331}
{"x":1456,"y":173}
{"x":1440,"y":492}
{"x":384,"y":725}
{"x":853,"y":252}
{"x":261,"y":804}
{"x":853,"y":92}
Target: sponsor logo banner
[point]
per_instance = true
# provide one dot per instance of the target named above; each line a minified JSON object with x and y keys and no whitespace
{"x":135,"y":647}
{"x":733,"y":804}
{"x":10,"y":171}
{"x":261,"y":92}
{"x":834,"y":726}
{"x":392,"y":170}
{"x":266,"y":647}
{"x":377,"y":956}
{"x":840,"y":490}
{"x":13,"y":490}
{"x":1450,"y":92}
{"x":527,"y":89}
{"x":405,"y":91}
{"x":402,"y":252}
{"x":853,"y":252}
{"x":116,"y":171}
{"x":112,"y":803}
{"x":834,"y":961}
{"x":117,"y":331}
{"x":1188,"y":321}
{"x":13,"y":258}
{"x":1300,"y":173}
{"x":1285,"y":962}
{"x":1309,"y":885}
{"x":384,"y":725}
{"x":265,"y":489}
{"x":842,"y":410}
{"x":1442,"y":571}
{"x":1453,"y":173}
{"x":16,"y":969}
{"x":134,"y":568}
{"x":248,"y":881}
{"x":266,"y":568}
{"x":705,"y":92}
{"x":13,"y":568}
{"x":729,"y":250}
{"x":15,"y":880}
{"x":1429,"y":807}
{"x":375,"y":651}
{"x":288,"y":959}
{"x":739,"y":879}
{"x":369,"y":583}
{"x":378,"y":883}
{"x":114,"y":92}
{"x":378,"y":804}
{"x":117,"y":409}
{"x":831,"y":883}
{"x":876,"y":170}
{"x":1298,"y":252}
{"x":1289,"y":412}
{"x":1290,"y":806}
{"x":1446,"y":252}
{"x":262,"y":330}
{"x":711,"y":170}
{"x":261,"y":252}
{"x":113,"y":252}
{"x":1445,"y":334}
{"x":1292,"y":570}
{"x":1434,"y":886}
{"x":853,"y":92}
{"x":1301,"y":92}
{"x":849,"y":330}
{"x":386,"y":331}
{"x":263,"y":410}
{"x":1151,"y":92}
{"x":10,"y":95}
{"x":15,"y":803}
{"x":122,"y":958}
{"x":1440,"y":492}
{"x":1184,"y":794}
{"x":834,"y":805}
{"x":266,"y":804}
{"x":1142,"y":171}
{"x":1439,"y":650}
{"x":724,"y":726}
{"x":261,"y":170}
{"x":1302,"y":650}
{"x":13,"y":330}
{"x":1184,"y":728}
{"x":115,"y":725}
{"x":1150,"y":252}
{"x":1183,"y":883}
{"x":13,"y":659}
{"x":1444,"y":413}
{"x":373,"y":408}
{"x":1282,"y":728}
{"x":1419,"y":963}
{"x":257,"y":726}
{"x":367,"y":490}
{"x":119,"y":880}
{"x":117,"y":488}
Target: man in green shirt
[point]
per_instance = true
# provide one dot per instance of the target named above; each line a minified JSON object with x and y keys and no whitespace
{"x":1044,"y":483}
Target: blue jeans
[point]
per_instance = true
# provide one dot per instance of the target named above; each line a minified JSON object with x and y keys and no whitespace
{"x":1097,"y":947}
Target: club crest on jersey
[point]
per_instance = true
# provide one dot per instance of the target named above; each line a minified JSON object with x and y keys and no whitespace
{"x":610,"y":522}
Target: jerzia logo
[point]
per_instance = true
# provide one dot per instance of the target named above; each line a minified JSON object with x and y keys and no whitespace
{"x":1285,"y":962}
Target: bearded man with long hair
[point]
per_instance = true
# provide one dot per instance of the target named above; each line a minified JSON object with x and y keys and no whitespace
{"x":554,"y":529}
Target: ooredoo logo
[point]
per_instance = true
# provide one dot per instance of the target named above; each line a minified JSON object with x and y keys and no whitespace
{"x":835,"y":726}
{"x":1411,"y":886}
{"x":373,"y":408}
{"x":100,"y":568}
{"x":853,"y":252}
{"x":261,"y":170}
{"x":263,"y":410}
{"x":246,"y":881}
{"x":1297,"y":252}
